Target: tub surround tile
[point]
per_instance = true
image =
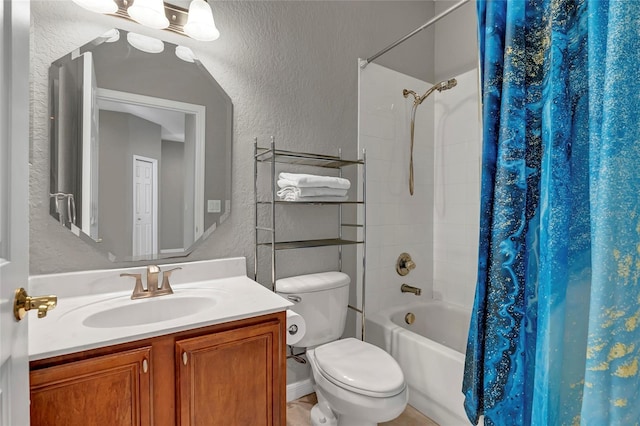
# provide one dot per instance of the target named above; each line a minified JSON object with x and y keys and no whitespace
{"x":457,"y":192}
{"x":396,"y":221}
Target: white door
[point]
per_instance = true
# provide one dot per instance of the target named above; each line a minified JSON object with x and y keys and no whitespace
{"x":144,"y":206}
{"x":14,"y":208}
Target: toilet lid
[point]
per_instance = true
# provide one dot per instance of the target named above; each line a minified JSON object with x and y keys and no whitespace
{"x":360,"y":367}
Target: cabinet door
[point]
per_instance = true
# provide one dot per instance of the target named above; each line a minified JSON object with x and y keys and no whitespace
{"x":107,"y":390}
{"x":231,"y":378}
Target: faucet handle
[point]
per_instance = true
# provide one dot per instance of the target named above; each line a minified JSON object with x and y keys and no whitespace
{"x":404,"y":264}
{"x":137,"y":290}
{"x":152,"y":279}
{"x":153,"y":269}
{"x":166,"y":286}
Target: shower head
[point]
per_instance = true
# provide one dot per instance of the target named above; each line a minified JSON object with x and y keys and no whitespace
{"x":443,"y":85}
{"x":446,"y":85}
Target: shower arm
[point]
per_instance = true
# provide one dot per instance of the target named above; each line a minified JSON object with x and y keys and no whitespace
{"x":417,"y":100}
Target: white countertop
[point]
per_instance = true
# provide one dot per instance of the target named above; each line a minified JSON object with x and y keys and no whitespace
{"x":64,"y":330}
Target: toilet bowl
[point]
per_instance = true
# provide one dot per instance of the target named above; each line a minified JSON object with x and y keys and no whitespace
{"x":357,"y":384}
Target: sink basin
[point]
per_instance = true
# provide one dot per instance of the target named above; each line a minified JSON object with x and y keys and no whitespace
{"x":148,"y":311}
{"x":95,"y":309}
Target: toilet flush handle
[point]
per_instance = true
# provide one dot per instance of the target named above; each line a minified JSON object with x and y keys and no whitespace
{"x":295,"y":299}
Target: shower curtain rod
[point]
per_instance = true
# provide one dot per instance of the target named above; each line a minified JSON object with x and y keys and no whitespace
{"x":431,"y":21}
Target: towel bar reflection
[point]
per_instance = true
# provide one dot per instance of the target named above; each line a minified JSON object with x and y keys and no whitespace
{"x":60,"y":197}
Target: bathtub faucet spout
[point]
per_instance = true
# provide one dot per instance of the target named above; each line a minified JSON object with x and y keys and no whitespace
{"x":410,"y":289}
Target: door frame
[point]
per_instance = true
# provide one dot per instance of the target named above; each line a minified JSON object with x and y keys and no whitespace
{"x":154,"y":204}
{"x":90,"y":148}
{"x":14,"y":208}
{"x":200,"y":114}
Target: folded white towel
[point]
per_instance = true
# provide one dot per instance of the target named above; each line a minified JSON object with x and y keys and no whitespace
{"x":303,"y":180}
{"x":292,"y":196}
{"x":311,"y":192}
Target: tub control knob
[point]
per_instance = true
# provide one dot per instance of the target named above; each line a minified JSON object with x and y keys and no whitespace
{"x":404,"y":265}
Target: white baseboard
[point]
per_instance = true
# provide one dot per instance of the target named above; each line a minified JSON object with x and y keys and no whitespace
{"x":299,"y":389}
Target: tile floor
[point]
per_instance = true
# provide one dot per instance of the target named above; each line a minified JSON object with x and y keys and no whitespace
{"x":298,"y":414}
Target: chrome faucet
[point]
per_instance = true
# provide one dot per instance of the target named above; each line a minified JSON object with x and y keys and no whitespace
{"x":152,"y":289}
{"x":410,"y":289}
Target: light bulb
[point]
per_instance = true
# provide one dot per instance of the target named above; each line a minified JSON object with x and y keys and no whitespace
{"x":149,"y":13}
{"x":145,"y":43}
{"x":185,"y":54}
{"x":200,"y":24}
{"x":111,"y":36}
{"x":98,"y":6}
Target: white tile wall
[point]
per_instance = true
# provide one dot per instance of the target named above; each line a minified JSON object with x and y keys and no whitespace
{"x":456,"y":180}
{"x":438,"y":225}
{"x":396,"y":221}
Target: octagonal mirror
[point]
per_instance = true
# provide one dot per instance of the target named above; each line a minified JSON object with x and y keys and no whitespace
{"x":140,"y":137}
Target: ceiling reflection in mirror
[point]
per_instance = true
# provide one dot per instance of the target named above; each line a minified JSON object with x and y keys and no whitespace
{"x":141,"y":139}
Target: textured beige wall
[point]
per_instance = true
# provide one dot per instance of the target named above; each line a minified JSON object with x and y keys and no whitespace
{"x":290,"y":69}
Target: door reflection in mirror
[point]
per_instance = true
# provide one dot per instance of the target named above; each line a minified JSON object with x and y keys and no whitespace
{"x":151,"y":174}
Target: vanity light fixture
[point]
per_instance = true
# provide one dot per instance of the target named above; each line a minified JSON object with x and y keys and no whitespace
{"x":145,"y":43}
{"x":185,"y":54}
{"x":111,"y":36}
{"x":197,"y":22}
{"x":149,"y":13}
{"x":200,"y":24}
{"x":98,"y":6}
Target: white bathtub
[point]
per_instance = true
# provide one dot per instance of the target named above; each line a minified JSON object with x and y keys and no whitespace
{"x":430,"y":353}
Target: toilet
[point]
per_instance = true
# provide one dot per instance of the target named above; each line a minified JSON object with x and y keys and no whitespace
{"x":357,"y":383}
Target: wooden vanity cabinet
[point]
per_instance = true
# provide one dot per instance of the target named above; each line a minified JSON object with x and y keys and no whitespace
{"x":228,"y":378}
{"x":227,"y":374}
{"x":106,"y":390}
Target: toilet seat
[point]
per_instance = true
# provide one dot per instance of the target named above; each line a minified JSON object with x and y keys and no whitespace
{"x":360,"y":367}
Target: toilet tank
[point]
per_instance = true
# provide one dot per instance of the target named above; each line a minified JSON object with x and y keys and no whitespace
{"x":321,"y":299}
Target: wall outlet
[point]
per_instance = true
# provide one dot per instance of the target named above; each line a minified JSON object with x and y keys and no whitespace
{"x":214,"y":206}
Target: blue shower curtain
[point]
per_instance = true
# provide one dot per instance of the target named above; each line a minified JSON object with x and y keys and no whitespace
{"x":555,"y":330}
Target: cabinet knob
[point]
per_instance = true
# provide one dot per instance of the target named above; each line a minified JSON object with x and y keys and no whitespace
{"x":184,"y":358}
{"x":145,"y":365}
